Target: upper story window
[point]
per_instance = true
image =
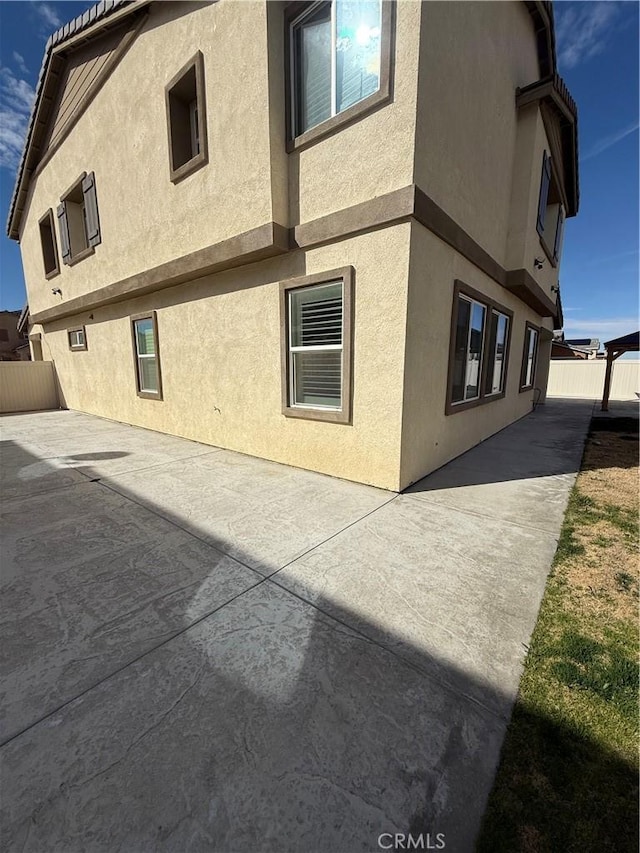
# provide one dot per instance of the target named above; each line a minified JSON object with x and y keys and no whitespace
{"x":316,"y":346}
{"x":78,"y":220}
{"x":49,"y":247}
{"x":339,"y":55}
{"x":480,"y":334}
{"x":186,"y":119}
{"x":551,"y":214}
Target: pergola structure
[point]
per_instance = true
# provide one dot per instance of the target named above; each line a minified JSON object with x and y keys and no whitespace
{"x":615,"y":348}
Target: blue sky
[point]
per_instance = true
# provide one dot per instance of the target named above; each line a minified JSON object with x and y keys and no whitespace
{"x":598,"y":58}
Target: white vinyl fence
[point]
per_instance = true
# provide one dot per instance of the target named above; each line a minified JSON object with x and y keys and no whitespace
{"x":573,"y":378}
{"x":28,"y":386}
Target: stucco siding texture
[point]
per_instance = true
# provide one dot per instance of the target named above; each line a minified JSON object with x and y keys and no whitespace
{"x":122,"y":137}
{"x":430,"y":438}
{"x":219,"y":345}
{"x":371,"y":156}
{"x":473,"y":56}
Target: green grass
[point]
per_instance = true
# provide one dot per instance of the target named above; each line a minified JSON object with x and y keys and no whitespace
{"x":568,"y":774}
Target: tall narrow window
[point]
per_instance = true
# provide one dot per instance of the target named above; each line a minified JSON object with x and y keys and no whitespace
{"x":49,"y":247}
{"x":316,"y":348}
{"x":467,"y":363}
{"x":478,"y":358}
{"x":497,"y":352}
{"x":145,"y":344}
{"x":186,"y":119}
{"x":529,"y":358}
{"x":545,"y":182}
{"x":339,"y":58}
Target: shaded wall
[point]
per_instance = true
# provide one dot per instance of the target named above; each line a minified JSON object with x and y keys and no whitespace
{"x":28,"y":386}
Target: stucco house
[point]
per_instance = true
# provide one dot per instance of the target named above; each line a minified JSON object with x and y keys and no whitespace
{"x":352,"y":211}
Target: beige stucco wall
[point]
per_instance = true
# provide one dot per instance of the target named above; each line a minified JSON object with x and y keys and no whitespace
{"x":220,"y":359}
{"x":249,"y":180}
{"x":430,"y":438}
{"x":524,"y":244}
{"x":473,"y":56}
{"x":373,"y":155}
{"x":122,"y":136}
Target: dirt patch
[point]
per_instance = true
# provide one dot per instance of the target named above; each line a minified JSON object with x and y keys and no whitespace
{"x":604,"y":576}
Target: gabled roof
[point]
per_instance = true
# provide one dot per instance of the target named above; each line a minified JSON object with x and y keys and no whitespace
{"x":630,"y":342}
{"x":90,"y":23}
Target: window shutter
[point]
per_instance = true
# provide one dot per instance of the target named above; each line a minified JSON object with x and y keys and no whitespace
{"x":544,"y":191}
{"x":559,"y":230}
{"x":63,"y":227}
{"x":91,"y":209}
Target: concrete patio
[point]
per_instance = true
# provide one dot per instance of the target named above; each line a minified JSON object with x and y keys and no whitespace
{"x":205,"y":651}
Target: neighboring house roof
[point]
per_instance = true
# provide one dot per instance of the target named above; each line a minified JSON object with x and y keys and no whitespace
{"x":90,"y":22}
{"x":97,"y":17}
{"x":559,"y":349}
{"x":23,"y":320}
{"x":590,"y":343}
{"x":629,"y":342}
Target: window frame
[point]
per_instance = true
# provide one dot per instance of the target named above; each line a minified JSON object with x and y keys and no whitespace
{"x":64,"y":199}
{"x":176,"y":174}
{"x":460,"y":289}
{"x":147,"y":315}
{"x":75,"y":330}
{"x":343,"y":415}
{"x":294,"y":13}
{"x":525,"y":357}
{"x":48,"y":218}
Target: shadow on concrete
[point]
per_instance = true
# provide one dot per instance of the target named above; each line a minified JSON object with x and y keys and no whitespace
{"x":167,"y":697}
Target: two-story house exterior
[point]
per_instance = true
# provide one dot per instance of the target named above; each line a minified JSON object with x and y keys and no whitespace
{"x":326,"y":234}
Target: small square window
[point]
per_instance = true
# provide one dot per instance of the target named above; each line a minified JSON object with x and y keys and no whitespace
{"x":186,"y":119}
{"x":49,"y":247}
{"x":77,"y":338}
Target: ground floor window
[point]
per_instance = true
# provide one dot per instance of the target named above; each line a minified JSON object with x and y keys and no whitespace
{"x":147,"y":361}
{"x":529,"y":357}
{"x":77,"y":339}
{"x":480,"y":333}
{"x":316,"y":346}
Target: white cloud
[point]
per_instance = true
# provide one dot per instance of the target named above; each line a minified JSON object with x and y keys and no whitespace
{"x":583,"y":30}
{"x":19,"y":60}
{"x":607,"y":141}
{"x":603,"y":330}
{"x":49,"y":16}
{"x":16,"y":100}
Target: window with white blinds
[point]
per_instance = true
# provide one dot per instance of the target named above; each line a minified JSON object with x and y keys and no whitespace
{"x":316,"y":346}
{"x":336,"y":59}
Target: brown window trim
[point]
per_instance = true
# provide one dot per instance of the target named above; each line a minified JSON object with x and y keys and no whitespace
{"x":202,"y":157}
{"x":523,"y":368}
{"x":148,"y":315}
{"x":84,"y":335}
{"x":89,"y":250}
{"x":460,"y":288}
{"x":378,"y":99}
{"x":48,"y":216}
{"x":347,"y":275}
